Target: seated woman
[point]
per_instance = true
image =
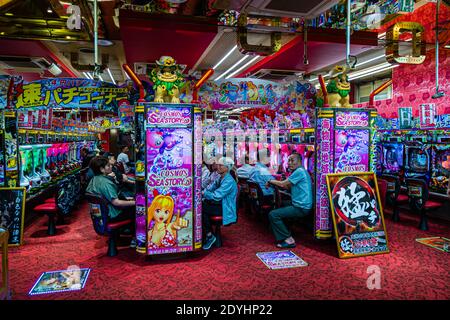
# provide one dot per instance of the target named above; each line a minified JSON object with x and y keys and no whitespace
{"x":220,"y":200}
{"x":103,"y":186}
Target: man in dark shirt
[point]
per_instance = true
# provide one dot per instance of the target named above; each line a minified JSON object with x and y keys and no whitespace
{"x":86,"y":157}
{"x":125,"y":184}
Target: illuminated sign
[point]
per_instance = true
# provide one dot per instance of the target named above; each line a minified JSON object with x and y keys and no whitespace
{"x":393,"y":43}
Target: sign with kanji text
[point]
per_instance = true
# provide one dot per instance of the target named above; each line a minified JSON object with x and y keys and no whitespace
{"x":70,"y":93}
{"x":12,"y":210}
{"x":357,"y":214}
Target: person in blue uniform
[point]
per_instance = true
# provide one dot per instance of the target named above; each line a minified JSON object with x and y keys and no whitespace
{"x":299,"y":182}
{"x":261,"y":175}
{"x":245,"y":170}
{"x":220,"y":200}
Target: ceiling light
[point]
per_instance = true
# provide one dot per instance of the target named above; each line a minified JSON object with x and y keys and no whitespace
{"x":370,"y":60}
{"x":231,"y":68}
{"x":110,"y":75}
{"x":241,"y":68}
{"x":367,"y":70}
{"x":100,"y":77}
{"x":49,"y":10}
{"x":317,"y":79}
{"x":224,"y":57}
{"x":87,"y":75}
{"x":447,"y":46}
{"x":374,"y":72}
{"x":105,"y":43}
{"x":126,"y":75}
{"x":8,"y":14}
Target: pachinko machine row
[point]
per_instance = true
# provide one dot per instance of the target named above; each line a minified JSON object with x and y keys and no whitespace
{"x":45,"y":158}
{"x":424,"y":156}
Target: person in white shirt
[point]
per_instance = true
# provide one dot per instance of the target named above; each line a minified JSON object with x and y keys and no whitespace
{"x":123,"y":158}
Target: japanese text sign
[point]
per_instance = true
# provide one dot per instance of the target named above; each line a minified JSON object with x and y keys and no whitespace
{"x":12,"y":209}
{"x":70,"y":93}
{"x":357,"y":214}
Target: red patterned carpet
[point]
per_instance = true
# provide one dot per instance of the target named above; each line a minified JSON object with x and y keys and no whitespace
{"x":410,"y":271}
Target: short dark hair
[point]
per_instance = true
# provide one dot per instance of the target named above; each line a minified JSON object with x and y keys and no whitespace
{"x":97,"y":163}
{"x":123,"y":148}
{"x":107,"y":154}
{"x":84,"y":150}
{"x":297,"y":155}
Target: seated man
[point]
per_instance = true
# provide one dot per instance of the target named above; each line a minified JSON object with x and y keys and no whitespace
{"x":220,"y":200}
{"x":261,"y":175}
{"x":301,"y":193}
{"x":124,"y":159}
{"x":125,"y":184}
{"x":211,"y":179}
{"x":448,"y":187}
{"x":86,"y":157}
{"x":205,"y":171}
{"x":103,"y":186}
{"x":245,"y":170}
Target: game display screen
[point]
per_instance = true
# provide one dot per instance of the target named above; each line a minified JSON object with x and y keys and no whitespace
{"x":392,"y":157}
{"x":379,"y":158}
{"x":440,"y":171}
{"x":418,"y":160}
{"x":351,"y":150}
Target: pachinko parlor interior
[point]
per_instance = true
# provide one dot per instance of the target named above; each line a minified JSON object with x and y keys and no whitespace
{"x":224,"y":150}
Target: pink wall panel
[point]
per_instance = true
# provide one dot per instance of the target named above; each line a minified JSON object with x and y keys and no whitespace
{"x":414,"y":85}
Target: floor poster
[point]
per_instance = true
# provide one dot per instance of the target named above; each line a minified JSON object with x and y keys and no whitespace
{"x":439,"y":243}
{"x":60,"y":281}
{"x":281,"y":260}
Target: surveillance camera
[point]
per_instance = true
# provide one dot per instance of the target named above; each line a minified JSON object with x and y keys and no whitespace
{"x":54,"y":70}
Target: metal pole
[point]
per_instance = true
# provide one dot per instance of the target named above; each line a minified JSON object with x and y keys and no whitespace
{"x":437,"y":46}
{"x":348,"y":33}
{"x":96,"y":66}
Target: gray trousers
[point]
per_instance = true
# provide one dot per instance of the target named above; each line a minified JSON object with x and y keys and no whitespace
{"x":276,"y":217}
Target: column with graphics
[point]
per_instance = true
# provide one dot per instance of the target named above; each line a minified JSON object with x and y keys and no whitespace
{"x":169,"y":197}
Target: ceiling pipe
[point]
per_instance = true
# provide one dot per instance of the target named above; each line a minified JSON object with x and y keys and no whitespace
{"x":438,"y":94}
{"x":199,"y":83}
{"x":349,"y":22}
{"x":96,"y":65}
{"x":305,"y":46}
{"x":136,"y":80}
{"x":377,"y":91}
